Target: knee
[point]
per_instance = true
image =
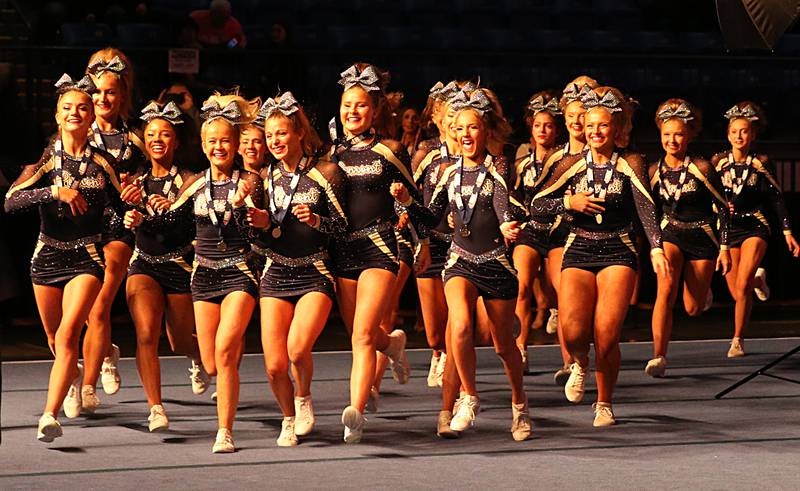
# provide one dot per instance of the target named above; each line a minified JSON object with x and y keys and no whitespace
{"x":606,"y":350}
{"x":364,"y":338}
{"x":525,"y":291}
{"x":148,"y":338}
{"x":460,"y":332}
{"x":693,"y":309}
{"x":742,"y":289}
{"x":506,"y":351}
{"x":435,"y":340}
{"x":298,"y":355}
{"x":66,"y":341}
{"x":227,"y":355}
{"x":277,"y":368}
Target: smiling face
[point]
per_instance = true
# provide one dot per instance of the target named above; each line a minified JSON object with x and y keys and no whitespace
{"x":543,"y":129}
{"x":741,"y":134}
{"x":599,"y":129}
{"x":574,"y":119}
{"x":410,"y":121}
{"x":283,"y":140}
{"x":75,"y":112}
{"x":357,"y":111}
{"x":471,"y":134}
{"x":252,"y":146}
{"x":220,"y":142}
{"x":448,"y":122}
{"x":160,"y":140}
{"x":674,"y":137}
{"x":108,"y":97}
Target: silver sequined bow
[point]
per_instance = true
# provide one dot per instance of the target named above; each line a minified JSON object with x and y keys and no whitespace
{"x":746,"y":112}
{"x":367,"y":79}
{"x":681,"y":112}
{"x":573,"y":92}
{"x":230,"y":113}
{"x":287,"y":106}
{"x":477,"y":101}
{"x":65,"y":84}
{"x":448,"y":91}
{"x":116,"y":65}
{"x":538,"y":105}
{"x":169,"y":112}
{"x":609,"y":101}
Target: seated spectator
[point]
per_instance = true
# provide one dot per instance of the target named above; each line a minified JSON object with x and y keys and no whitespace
{"x":217,"y":28}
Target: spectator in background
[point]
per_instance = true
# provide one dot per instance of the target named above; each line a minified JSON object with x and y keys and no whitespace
{"x":217,"y":28}
{"x":189,"y":154}
{"x":409,"y":124}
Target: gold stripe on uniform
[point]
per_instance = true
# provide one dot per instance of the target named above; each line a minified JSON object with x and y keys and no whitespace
{"x":626,"y":239}
{"x":244,"y":268}
{"x":199,"y":183}
{"x":570,"y":240}
{"x":323,"y":270}
{"x":504,"y":261}
{"x":267,"y":265}
{"x":699,"y":174}
{"x":376,"y":239}
{"x":426,"y":162}
{"x":624,"y":167}
{"x":707,"y":229}
{"x":384,"y":151}
{"x":134,"y":256}
{"x":39,"y":245}
{"x":317,"y":177}
{"x":92,"y":250}
{"x":183,"y":264}
{"x":578,"y":166}
{"x":47,"y":167}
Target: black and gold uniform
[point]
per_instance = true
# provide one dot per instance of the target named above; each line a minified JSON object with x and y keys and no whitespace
{"x":69,"y":245}
{"x":297,"y":260}
{"x":596,"y":242}
{"x":478,"y":251}
{"x":427,"y":173}
{"x":693,"y":207}
{"x":751,"y":187}
{"x":370,"y":240}
{"x":223,"y":261}
{"x":164,"y":248}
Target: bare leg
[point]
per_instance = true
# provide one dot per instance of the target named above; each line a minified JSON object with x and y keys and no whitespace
{"x":388,"y":322}
{"x":740,"y":279}
{"x":500,"y":313}
{"x":276,"y":317}
{"x":146,"y":304}
{"x":614,"y":288}
{"x":303,"y":333}
{"x":577,"y":298}
{"x":461,"y":299}
{"x":527,"y":262}
{"x":665,"y":301}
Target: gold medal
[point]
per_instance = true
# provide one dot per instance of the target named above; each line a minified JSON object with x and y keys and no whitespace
{"x":598,"y":218}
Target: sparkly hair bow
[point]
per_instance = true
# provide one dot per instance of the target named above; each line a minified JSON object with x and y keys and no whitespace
{"x":477,"y":101}
{"x":609,"y":101}
{"x":65,"y":84}
{"x":746,"y":112}
{"x":169,"y":112}
{"x":436,"y":90}
{"x":116,"y":65}
{"x":367,"y":79}
{"x":538,"y":105}
{"x":448,"y":91}
{"x":681,"y":112}
{"x":573,"y":92}
{"x":288,"y":105}
{"x":230,"y":113}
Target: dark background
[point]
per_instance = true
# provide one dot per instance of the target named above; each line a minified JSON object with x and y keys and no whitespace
{"x":650,"y":49}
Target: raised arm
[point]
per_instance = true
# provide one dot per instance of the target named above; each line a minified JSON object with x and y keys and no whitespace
{"x":33,"y":185}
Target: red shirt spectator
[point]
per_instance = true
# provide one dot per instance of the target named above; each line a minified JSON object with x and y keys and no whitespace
{"x":216,"y":27}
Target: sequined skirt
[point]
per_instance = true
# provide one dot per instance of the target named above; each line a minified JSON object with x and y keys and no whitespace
{"x":594,"y":252}
{"x":172,"y":271}
{"x":743,"y":227}
{"x":494,"y":278}
{"x":697,"y":240}
{"x":558,"y":235}
{"x":213,"y":281}
{"x":535,"y":237}
{"x":114,"y":229}
{"x":405,"y":247}
{"x":440,"y":250}
{"x":291,"y":278}
{"x":55,"y":263}
{"x":362,"y":250}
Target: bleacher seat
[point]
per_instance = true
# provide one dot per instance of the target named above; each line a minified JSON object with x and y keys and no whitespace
{"x":82,"y":34}
{"x":701,"y":42}
{"x":143,"y":35}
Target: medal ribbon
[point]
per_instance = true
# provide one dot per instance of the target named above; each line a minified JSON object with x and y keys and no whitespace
{"x":98,"y":140}
{"x":168,"y":183}
{"x":212,"y":214}
{"x":279,"y":210}
{"x":681,"y":181}
{"x":600,"y":189}
{"x":465,"y":212}
{"x":737,"y":183}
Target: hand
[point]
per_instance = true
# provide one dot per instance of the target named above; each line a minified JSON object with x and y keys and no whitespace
{"x":72,"y":197}
{"x":793,"y":246}
{"x":159,"y":203}
{"x":258,"y":218}
{"x":724,"y":262}
{"x":661,"y":265}
{"x":510,"y":230}
{"x":422,"y":258}
{"x":305,"y":215}
{"x":242,"y":192}
{"x":451,"y":221}
{"x":132,"y":219}
{"x":131,"y":190}
{"x":586,"y":203}
{"x":402,"y":221}
{"x":400,"y":193}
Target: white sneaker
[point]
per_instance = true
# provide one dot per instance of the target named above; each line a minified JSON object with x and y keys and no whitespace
{"x":709,"y":301}
{"x":89,"y":399}
{"x":109,"y":375}
{"x":158,"y":418}
{"x":576,"y":383}
{"x":199,"y":378}
{"x":353,"y":422}
{"x":396,"y":351}
{"x":737,"y":348}
{"x":526,"y":369}
{"x":372,"y":400}
{"x":443,"y":429}
{"x":457,"y":404}
{"x":49,"y":428}
{"x":562,"y":375}
{"x":72,"y":403}
{"x":224,"y":442}
{"x":521,"y":426}
{"x":440,"y":369}
{"x":465,"y":416}
{"x":762,"y":292}
{"x":603,"y":415}
{"x":656,"y":367}
{"x":432,"y":370}
{"x":287,"y":438}
{"x":214,"y":396}
{"x":552,"y":322}
{"x":304,"y":415}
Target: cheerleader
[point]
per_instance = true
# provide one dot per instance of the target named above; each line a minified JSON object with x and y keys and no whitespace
{"x":252,"y":146}
{"x":365,"y":257}
{"x":224,"y":278}
{"x":71,"y":184}
{"x":599,"y":266}
{"x":532,"y":246}
{"x":689,"y":191}
{"x":305,"y":197}
{"x":478,"y":264}
{"x":159,"y":272}
{"x":112,"y":73}
{"x":750,"y":188}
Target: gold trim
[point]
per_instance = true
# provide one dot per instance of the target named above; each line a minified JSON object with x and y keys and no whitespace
{"x":92,"y":250}
{"x":323,"y":270}
{"x":188,"y":193}
{"x":626,"y":239}
{"x":183,"y":264}
{"x":577,"y":167}
{"x":244,"y":268}
{"x":707,"y":229}
{"x":624,"y":167}
{"x":47,"y":167}
{"x":318,"y":178}
{"x":38,"y":249}
{"x":504,"y":261}
{"x":702,"y":177}
{"x":568,"y":243}
{"x":376,"y":239}
{"x":386,"y":153}
{"x":760,"y":168}
{"x":426,"y":162}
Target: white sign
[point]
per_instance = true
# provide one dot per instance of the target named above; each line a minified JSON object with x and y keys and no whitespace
{"x":184,"y":60}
